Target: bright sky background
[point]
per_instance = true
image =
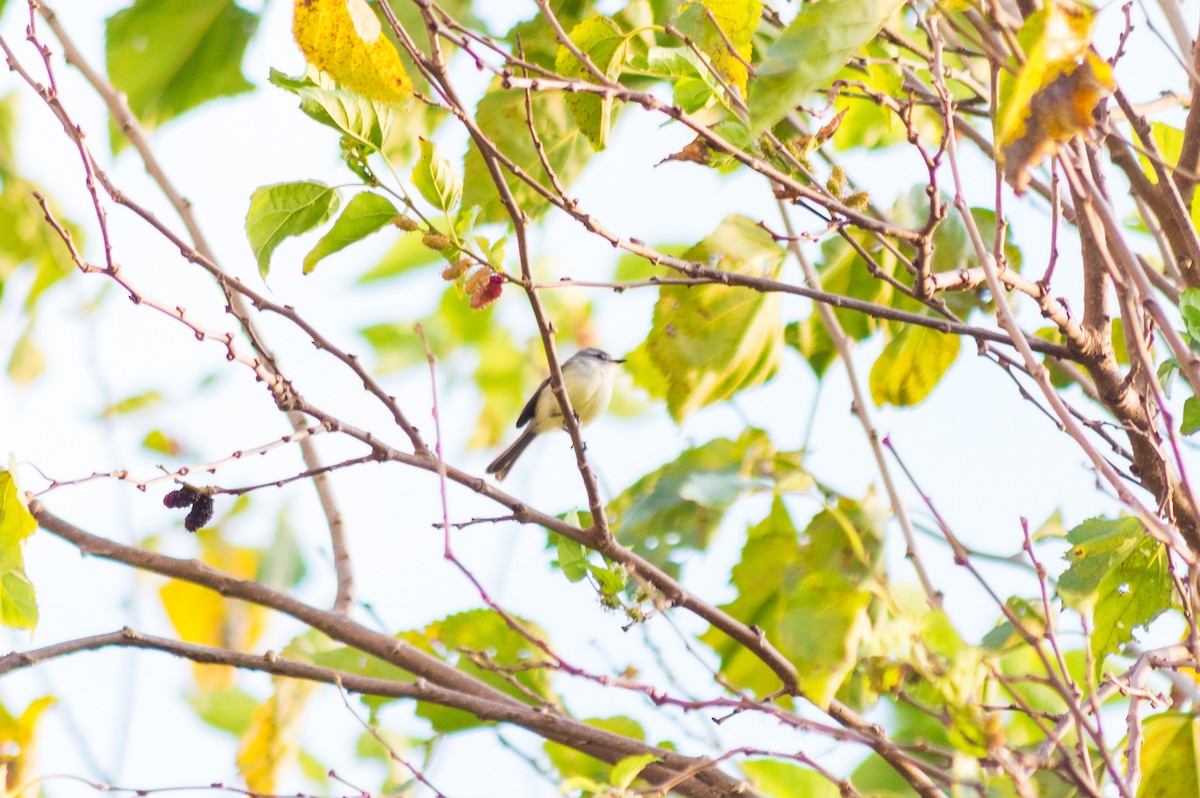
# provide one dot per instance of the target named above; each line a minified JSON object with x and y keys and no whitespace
{"x":985,"y":456}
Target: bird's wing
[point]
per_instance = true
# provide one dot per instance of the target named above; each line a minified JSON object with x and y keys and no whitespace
{"x":531,"y":406}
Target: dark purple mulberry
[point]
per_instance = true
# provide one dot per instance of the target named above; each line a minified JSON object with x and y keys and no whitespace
{"x":183,"y":497}
{"x":200,"y":514}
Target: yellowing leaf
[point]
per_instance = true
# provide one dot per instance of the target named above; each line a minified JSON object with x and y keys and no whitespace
{"x":737,"y":19}
{"x":200,"y":615}
{"x":1054,"y":91}
{"x":711,"y":341}
{"x":911,"y":365}
{"x":1170,"y":765}
{"x":1054,"y":39}
{"x":344,"y":39}
{"x":601,"y":40}
{"x":17,"y":740}
{"x":18,"y":605}
{"x":1056,"y":114}
{"x":624,"y":772}
{"x":273,"y":741}
{"x":26,"y":361}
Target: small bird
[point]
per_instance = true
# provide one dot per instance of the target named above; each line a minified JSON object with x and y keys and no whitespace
{"x":588,"y":378}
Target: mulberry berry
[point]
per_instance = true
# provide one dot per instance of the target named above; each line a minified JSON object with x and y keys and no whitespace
{"x":183,"y":497}
{"x":435,"y":241}
{"x":200,"y":514}
{"x":478,"y":279}
{"x":489,"y":293}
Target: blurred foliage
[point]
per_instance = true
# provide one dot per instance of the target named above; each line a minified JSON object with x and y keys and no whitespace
{"x":794,"y":92}
{"x":18,"y":604}
{"x":169,"y":56}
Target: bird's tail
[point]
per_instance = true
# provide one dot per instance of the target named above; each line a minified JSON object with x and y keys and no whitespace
{"x":507,"y":458}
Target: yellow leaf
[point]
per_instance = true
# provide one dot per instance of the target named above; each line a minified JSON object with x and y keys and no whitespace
{"x":1056,"y":113}
{"x":17,"y":735}
{"x":272,"y":743}
{"x":203,"y":616}
{"x":1055,"y":40}
{"x":344,"y":39}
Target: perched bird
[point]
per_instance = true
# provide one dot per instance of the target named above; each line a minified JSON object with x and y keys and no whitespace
{"x":588,"y":378}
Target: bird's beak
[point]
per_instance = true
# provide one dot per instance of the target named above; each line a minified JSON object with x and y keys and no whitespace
{"x":618,"y":360}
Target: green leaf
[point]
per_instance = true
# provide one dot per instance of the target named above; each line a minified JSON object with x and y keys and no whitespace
{"x":611,"y":577}
{"x":694,"y":85}
{"x":569,"y":762}
{"x":785,"y":780}
{"x":866,"y":124}
{"x":624,"y":772}
{"x":711,"y":341}
{"x":26,"y":361}
{"x":808,"y":593}
{"x":817,"y":43}
{"x":450,"y":327}
{"x":351,"y":660}
{"x":678,"y":507}
{"x":168,"y":56}
{"x":843,"y":271}
{"x":501,"y":116}
{"x":820,"y":629}
{"x":911,"y":365}
{"x":485,"y":632}
{"x":605,"y":45}
{"x":436,"y":179}
{"x":811,"y":339}
{"x":286,"y":209}
{"x":1189,"y":309}
{"x":738,"y":19}
{"x":25,"y":238}
{"x":572,"y":559}
{"x":363,"y":119}
{"x":313,"y":769}
{"x":1120,"y":575}
{"x":282,"y":565}
{"x":500,"y":377}
{"x":364,"y":214}
{"x":158,"y":441}
{"x":18,"y":604}
{"x":1169,"y":140}
{"x":8,"y":124}
{"x":133,"y":404}
{"x":228,"y":709}
{"x":406,"y":254}
{"x":1191,"y":416}
{"x":1170,"y":766}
